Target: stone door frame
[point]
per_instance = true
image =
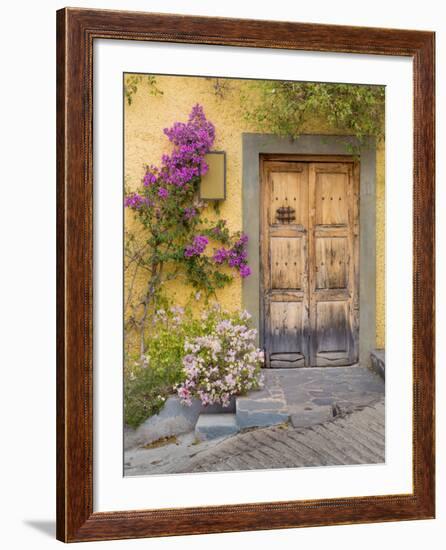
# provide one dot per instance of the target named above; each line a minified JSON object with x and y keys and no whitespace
{"x":256,"y":144}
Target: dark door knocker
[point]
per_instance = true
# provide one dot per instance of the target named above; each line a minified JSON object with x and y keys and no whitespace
{"x":285,"y":214}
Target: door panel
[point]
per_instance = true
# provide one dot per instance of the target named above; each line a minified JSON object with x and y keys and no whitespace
{"x":332,"y":288}
{"x":331,"y":201}
{"x":289,"y":189}
{"x":309,"y":257}
{"x":286,"y":262}
{"x":331,"y":263}
{"x":287,"y":340}
{"x":332,"y":328}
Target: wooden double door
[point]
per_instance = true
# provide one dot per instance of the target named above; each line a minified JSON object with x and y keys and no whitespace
{"x":309,"y":261}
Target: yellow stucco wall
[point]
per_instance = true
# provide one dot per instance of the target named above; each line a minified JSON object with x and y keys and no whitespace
{"x":380,"y":249}
{"x":145,"y":142}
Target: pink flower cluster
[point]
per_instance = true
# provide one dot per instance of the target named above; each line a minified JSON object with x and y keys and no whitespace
{"x":235,"y":257}
{"x":221,"y":364}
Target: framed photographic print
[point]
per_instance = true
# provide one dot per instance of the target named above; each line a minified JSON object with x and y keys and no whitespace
{"x":245,"y":275}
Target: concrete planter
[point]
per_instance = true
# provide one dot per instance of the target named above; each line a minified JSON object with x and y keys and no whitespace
{"x":174,"y":419}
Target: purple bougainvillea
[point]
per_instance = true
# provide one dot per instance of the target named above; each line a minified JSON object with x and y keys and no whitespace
{"x":236,"y":257}
{"x":198,"y":246}
{"x":176,"y":233}
{"x":136,"y":201}
{"x":221,"y":255}
{"x":189,"y":212}
{"x":245,"y":271}
{"x":150,"y":177}
{"x":192,"y":140}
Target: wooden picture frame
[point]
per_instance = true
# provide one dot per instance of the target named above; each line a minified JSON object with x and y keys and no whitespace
{"x":77,"y":29}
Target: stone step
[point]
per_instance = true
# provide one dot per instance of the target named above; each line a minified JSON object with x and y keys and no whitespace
{"x":211,"y":426}
{"x":311,"y":415}
{"x":378,"y":362}
{"x":255,"y":412}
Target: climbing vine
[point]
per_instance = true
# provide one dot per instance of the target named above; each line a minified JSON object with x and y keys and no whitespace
{"x":174,"y":238}
{"x":220,"y":87}
{"x":133,"y":81}
{"x":287,"y":108}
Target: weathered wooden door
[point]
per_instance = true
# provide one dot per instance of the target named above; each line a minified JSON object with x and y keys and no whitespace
{"x":309,"y":259}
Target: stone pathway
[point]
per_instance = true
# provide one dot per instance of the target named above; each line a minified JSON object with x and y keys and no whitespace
{"x":323,"y":416}
{"x":357,"y":438}
{"x":303,"y":396}
{"x":308,"y":396}
{"x":354,"y":438}
{"x":348,"y":387}
{"x":175,"y":457}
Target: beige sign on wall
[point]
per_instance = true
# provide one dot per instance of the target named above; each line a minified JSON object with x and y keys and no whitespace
{"x":213,"y":183}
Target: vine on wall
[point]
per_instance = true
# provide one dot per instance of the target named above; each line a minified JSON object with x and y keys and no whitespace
{"x":174,"y":238}
{"x":133,"y":81}
{"x":288,"y":108}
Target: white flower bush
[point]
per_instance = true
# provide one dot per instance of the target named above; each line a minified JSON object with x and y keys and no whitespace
{"x":223,"y":363}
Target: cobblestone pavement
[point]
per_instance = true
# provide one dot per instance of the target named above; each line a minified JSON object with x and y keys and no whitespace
{"x":305,"y":397}
{"x":357,"y":437}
